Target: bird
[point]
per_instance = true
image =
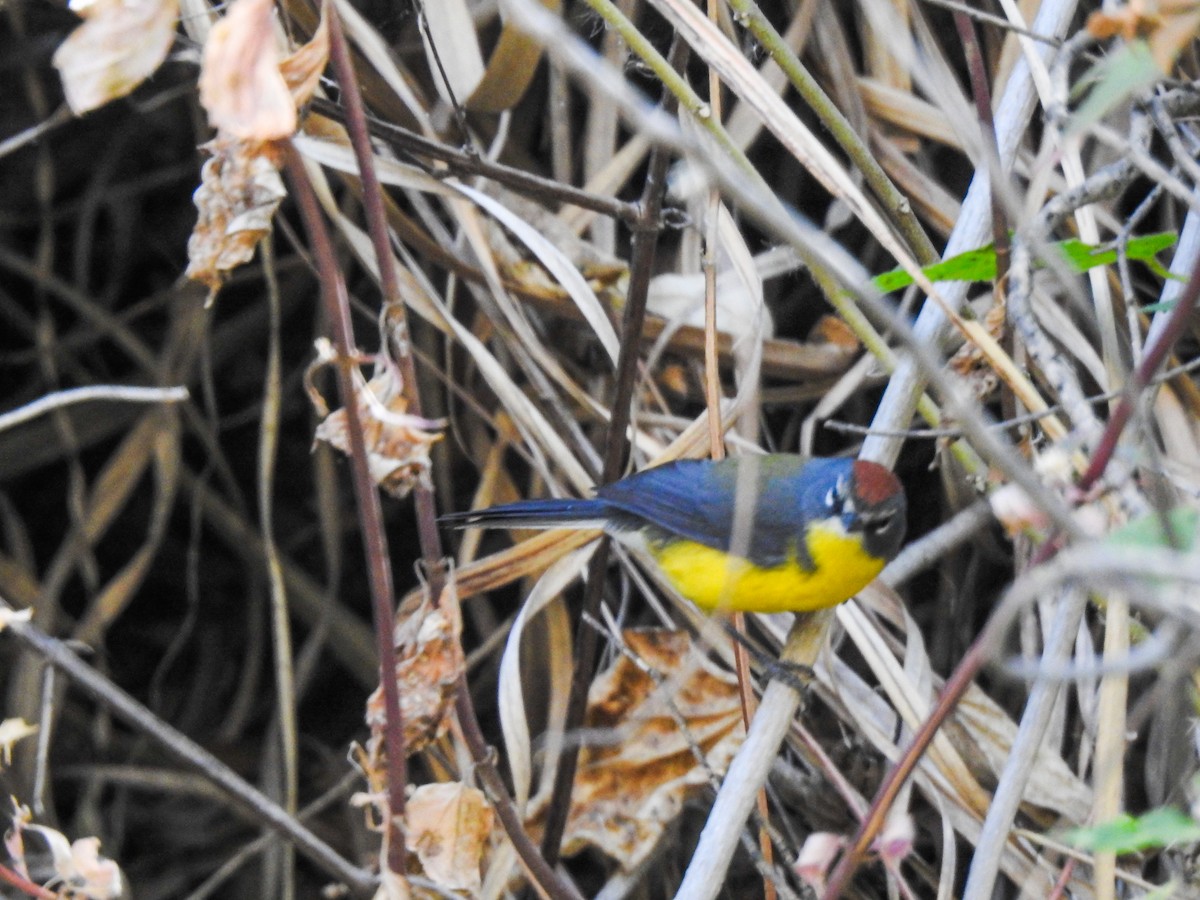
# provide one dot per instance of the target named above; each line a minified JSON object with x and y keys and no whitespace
{"x":756,"y":533}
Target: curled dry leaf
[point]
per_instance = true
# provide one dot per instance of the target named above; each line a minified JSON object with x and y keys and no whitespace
{"x":118,"y":46}
{"x":973,"y":364}
{"x":302,"y":70}
{"x":397,"y":444}
{"x":447,"y":827}
{"x":241,"y":86}
{"x":632,"y":785}
{"x":251,"y":97}
{"x":240,"y":189}
{"x":79,"y":869}
{"x":429,"y":661}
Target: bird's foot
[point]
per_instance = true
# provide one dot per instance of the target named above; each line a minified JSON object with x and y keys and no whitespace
{"x":797,"y":676}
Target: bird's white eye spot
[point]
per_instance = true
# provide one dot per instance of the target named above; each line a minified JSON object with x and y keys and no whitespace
{"x":835,"y":497}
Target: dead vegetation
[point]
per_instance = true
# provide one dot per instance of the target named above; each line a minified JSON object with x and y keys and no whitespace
{"x":262,"y":259}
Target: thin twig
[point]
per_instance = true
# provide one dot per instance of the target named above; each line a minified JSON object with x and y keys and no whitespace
{"x":259,"y":807}
{"x":370,"y":515}
{"x":114,"y":392}
{"x":462,"y":163}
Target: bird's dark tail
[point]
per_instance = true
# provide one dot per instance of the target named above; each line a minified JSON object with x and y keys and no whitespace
{"x":533,"y":514}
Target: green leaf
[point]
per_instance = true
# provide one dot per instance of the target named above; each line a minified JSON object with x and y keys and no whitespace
{"x":974,"y":265}
{"x":1125,"y":71}
{"x":1148,"y":531}
{"x":1127,"y":834}
{"x":980,"y":264}
{"x":1081,"y":256}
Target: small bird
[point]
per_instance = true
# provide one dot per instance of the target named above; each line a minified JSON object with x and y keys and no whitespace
{"x":776,"y":533}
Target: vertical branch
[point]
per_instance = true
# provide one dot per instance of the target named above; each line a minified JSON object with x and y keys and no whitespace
{"x":356,"y":126}
{"x":982,"y":96}
{"x":370,"y":515}
{"x":281,"y":632}
{"x":541,"y":874}
{"x":645,"y":244}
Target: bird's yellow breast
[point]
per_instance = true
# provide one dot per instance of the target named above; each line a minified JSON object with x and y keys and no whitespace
{"x":715,"y":580}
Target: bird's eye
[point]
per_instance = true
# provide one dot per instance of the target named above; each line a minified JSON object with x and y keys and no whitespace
{"x":880,"y":522}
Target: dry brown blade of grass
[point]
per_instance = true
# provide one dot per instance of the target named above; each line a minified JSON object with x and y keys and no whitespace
{"x":908,"y":113}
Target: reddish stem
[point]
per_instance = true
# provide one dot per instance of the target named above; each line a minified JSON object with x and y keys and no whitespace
{"x":370,"y":515}
{"x":21,"y":883}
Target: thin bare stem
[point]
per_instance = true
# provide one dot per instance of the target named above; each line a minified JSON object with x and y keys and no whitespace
{"x":1156,"y":354}
{"x":253,"y":802}
{"x":462,"y":163}
{"x":370,"y":515}
{"x":114,"y":392}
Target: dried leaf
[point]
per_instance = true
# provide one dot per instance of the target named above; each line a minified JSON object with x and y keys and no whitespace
{"x":397,"y":444}
{"x":302,"y":70}
{"x":832,"y":330}
{"x":429,"y":661}
{"x":240,"y":191}
{"x":1167,"y":27}
{"x":816,"y":857}
{"x":448,"y":827}
{"x":627,"y":790}
{"x":118,"y":46}
{"x":240,"y":83}
{"x":11,"y":731}
{"x":79,"y":869}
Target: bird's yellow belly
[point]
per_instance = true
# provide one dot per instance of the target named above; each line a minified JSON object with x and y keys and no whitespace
{"x":715,"y":580}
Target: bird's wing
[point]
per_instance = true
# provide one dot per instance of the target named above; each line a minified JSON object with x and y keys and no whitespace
{"x":695,"y":499}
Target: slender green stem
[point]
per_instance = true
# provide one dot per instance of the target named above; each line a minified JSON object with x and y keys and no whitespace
{"x":894,"y":203}
{"x":676,"y":84}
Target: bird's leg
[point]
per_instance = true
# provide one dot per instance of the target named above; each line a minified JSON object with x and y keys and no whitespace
{"x":797,"y":676}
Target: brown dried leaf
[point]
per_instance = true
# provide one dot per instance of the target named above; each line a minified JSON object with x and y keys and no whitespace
{"x":240,"y":190}
{"x":429,"y":661}
{"x":118,"y":46}
{"x":398,"y":444}
{"x":447,"y":826}
{"x":79,"y":869}
{"x":972,"y":363}
{"x":302,"y":70}
{"x":627,"y":791}
{"x":832,"y":330}
{"x":1168,"y":26}
{"x":240,"y":83}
